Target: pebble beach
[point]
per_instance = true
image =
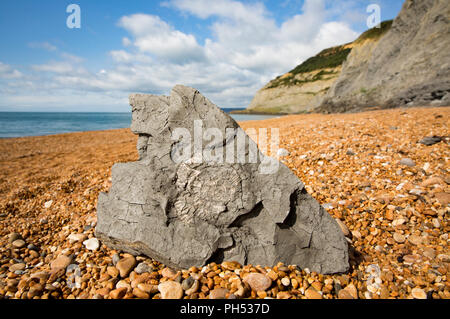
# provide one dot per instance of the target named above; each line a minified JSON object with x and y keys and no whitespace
{"x":383,"y":175}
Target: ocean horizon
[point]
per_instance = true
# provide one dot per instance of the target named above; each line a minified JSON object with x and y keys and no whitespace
{"x":23,"y":124}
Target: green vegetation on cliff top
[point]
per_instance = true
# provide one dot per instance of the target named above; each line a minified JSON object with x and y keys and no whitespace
{"x":291,"y":80}
{"x":328,"y":58}
{"x":375,"y":32}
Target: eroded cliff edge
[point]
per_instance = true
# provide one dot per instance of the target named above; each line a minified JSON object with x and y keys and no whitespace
{"x":409,"y":66}
{"x":304,"y":87}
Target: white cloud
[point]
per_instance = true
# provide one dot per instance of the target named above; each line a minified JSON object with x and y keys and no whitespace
{"x":126,"y":42}
{"x":42,"y":45}
{"x":69,"y":64}
{"x":247,"y":37}
{"x":121,"y":56}
{"x":157,"y":37}
{"x":55,"y":67}
{"x":8,"y":72}
{"x":246,"y":48}
{"x":124,"y":57}
{"x":235,"y":10}
{"x":71,"y":58}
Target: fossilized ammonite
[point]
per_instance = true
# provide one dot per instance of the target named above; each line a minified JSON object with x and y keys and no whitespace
{"x":196,"y":210}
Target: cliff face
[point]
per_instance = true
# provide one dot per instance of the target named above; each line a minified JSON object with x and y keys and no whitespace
{"x":294,"y":91}
{"x":294,"y":98}
{"x":409,"y":66}
{"x":303,"y":88}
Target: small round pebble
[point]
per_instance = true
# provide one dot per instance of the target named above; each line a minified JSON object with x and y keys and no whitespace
{"x":285,"y":281}
{"x":418,"y":293}
{"x":62,"y":261}
{"x":407,"y":162}
{"x":142,"y":268}
{"x":168,"y":273}
{"x":187,"y":283}
{"x":126,"y":265}
{"x":18,"y":243}
{"x":258,"y":282}
{"x":76,"y":237}
{"x":170,"y":290}
{"x":92,"y":244}
{"x":16,"y":267}
{"x":399,"y":238}
{"x":218,"y":293}
{"x":312,"y":293}
{"x":282,"y":152}
{"x":118,"y":293}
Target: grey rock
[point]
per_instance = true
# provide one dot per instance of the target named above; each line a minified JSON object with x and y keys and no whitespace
{"x":408,"y":66}
{"x":188,"y":213}
{"x":19,"y":261}
{"x":430,"y":140}
{"x":142,"y":268}
{"x":32,"y":247}
{"x":115,"y":259}
{"x":13,"y":237}
{"x":407,"y":162}
{"x":187,"y":283}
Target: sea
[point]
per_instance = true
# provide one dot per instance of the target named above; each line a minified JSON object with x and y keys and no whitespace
{"x":20,"y":124}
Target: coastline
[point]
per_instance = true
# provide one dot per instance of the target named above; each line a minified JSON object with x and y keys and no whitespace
{"x":350,"y":111}
{"x":28,"y":124}
{"x":250,"y":112}
{"x":49,"y":187}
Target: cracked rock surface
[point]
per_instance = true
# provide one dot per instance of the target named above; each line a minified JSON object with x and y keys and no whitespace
{"x":193,"y":212}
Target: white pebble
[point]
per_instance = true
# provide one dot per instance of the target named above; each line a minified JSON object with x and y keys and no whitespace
{"x":285,"y":281}
{"x":436,"y":223}
{"x":398,"y":222}
{"x":282,"y":152}
{"x":48,"y":204}
{"x":92,"y":244}
{"x":74,"y":237}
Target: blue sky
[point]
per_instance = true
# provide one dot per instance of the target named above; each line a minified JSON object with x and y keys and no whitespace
{"x":227,"y":49}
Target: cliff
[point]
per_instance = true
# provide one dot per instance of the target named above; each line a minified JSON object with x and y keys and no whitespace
{"x":303,"y":88}
{"x":409,"y":66}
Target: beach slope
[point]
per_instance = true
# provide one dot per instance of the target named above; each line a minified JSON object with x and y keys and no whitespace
{"x":389,"y":192}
